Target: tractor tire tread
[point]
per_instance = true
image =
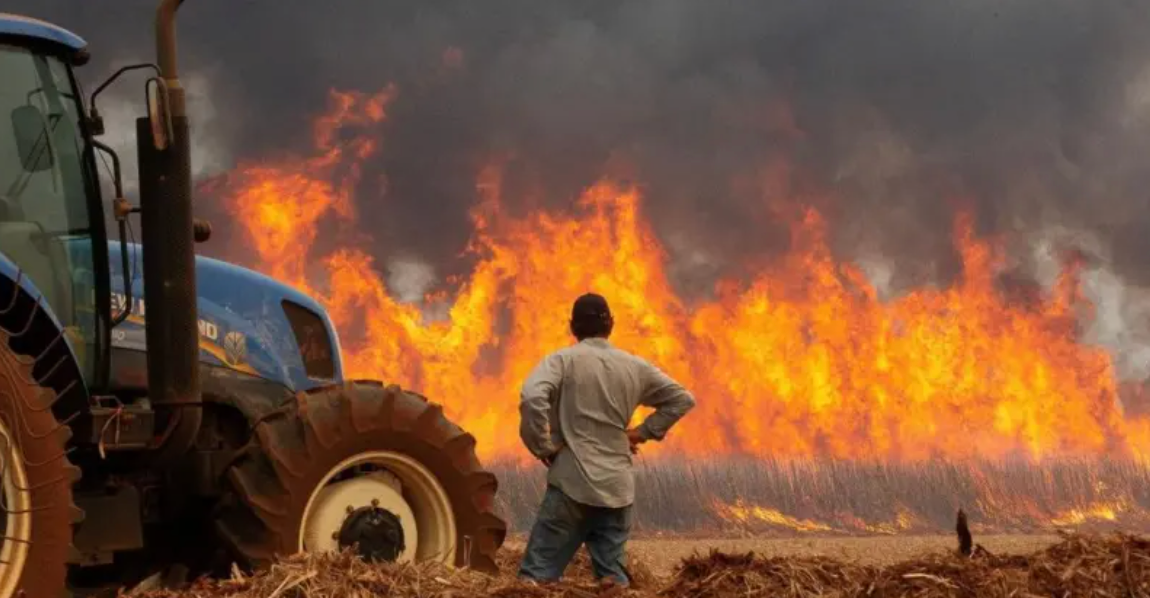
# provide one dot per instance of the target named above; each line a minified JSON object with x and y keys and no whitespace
{"x":272,"y":484}
{"x":42,"y":441}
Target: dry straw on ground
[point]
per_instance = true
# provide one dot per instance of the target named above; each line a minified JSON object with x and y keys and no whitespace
{"x":1111,"y":566}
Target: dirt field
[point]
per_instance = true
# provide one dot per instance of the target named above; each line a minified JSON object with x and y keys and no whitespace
{"x":662,"y":554}
{"x":1107,"y":566}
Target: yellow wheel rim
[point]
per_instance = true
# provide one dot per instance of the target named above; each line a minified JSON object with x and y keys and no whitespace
{"x":16,"y":513}
{"x":398,"y":484}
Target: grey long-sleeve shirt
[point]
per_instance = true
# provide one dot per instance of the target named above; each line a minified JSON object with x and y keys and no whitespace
{"x":578,"y":401}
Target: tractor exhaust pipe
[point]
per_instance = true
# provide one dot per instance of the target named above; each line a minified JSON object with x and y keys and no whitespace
{"x":172,"y":333}
{"x":166,"y":54}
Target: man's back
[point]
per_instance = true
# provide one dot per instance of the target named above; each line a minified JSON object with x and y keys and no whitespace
{"x":575,"y":408}
{"x":591,"y":390}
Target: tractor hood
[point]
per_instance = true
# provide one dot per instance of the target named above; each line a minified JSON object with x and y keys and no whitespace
{"x":248,"y":322}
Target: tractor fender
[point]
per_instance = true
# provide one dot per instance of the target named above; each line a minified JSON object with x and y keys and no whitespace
{"x":37,"y":331}
{"x":255,"y":398}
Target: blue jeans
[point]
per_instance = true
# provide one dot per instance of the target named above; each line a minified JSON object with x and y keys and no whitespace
{"x":563,"y":526}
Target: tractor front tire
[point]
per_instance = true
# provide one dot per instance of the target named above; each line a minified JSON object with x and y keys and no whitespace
{"x":294,"y":461}
{"x":36,"y":510}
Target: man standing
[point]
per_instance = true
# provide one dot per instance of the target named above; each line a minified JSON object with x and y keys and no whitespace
{"x":574,"y":409}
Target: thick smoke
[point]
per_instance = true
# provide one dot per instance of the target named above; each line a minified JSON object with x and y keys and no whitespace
{"x":888,"y":115}
{"x":121,"y":106}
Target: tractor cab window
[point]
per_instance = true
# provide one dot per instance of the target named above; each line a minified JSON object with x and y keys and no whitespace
{"x":45,"y":224}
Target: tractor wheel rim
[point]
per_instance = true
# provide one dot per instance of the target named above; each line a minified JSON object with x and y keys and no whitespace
{"x":422,"y":505}
{"x":15,"y":513}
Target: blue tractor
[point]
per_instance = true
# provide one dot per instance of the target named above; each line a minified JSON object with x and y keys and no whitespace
{"x":221,"y":431}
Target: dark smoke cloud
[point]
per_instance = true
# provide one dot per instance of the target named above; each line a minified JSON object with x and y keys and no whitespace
{"x":886,"y":114}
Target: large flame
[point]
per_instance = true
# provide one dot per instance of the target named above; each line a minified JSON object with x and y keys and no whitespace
{"x":802,"y":359}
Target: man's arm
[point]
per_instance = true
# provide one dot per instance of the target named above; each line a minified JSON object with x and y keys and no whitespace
{"x":669,"y":399}
{"x":535,"y":407}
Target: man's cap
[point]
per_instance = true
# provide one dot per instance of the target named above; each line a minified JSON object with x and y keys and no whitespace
{"x":590,"y":305}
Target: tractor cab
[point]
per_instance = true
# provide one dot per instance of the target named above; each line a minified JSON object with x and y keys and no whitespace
{"x":50,"y":208}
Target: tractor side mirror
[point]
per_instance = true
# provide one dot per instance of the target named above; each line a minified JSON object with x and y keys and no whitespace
{"x":31,"y":131}
{"x":159,"y":113}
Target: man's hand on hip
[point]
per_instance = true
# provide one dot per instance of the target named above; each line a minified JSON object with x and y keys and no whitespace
{"x":635,"y":438}
{"x":549,"y":460}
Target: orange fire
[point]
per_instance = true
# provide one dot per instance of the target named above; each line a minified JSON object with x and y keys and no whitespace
{"x":742,"y":514}
{"x":800,"y":360}
{"x":1097,"y":512}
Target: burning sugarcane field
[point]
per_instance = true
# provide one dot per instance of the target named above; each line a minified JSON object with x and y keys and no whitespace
{"x":661,"y":298}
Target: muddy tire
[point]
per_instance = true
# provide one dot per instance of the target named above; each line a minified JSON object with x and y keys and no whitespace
{"x":37,"y":512}
{"x":293,"y":457}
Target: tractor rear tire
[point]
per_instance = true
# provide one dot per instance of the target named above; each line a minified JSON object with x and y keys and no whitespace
{"x":293,"y":456}
{"x":37,"y":478}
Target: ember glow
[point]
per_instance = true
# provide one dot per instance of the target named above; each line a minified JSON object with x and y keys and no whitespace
{"x":743,"y":515}
{"x":799,"y":360}
{"x":1098,"y":512}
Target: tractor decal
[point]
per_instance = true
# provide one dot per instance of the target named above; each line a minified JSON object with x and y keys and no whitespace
{"x":229,"y":349}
